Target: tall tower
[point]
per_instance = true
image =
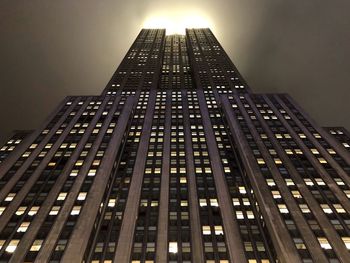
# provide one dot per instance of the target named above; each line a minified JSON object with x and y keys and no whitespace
{"x":176,"y":161}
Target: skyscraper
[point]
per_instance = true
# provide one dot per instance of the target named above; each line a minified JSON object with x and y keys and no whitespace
{"x":176,"y":161}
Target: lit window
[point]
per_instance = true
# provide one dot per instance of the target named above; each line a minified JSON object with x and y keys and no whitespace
{"x":283,"y":208}
{"x":289,"y":182}
{"x":302,"y":135}
{"x":111,"y":202}
{"x":279,"y":136}
{"x":235,"y":201}
{"x":218,"y":230}
{"x":304,"y":208}
{"x":314,"y":151}
{"x":346,"y":240}
{"x":227,"y":169}
{"x":339,"y":181}
{"x":299,"y":243}
{"x":36,"y":245}
{"x":96,"y":162}
{"x":54,"y":210}
{"x":250,"y":214}
{"x":276,"y":194}
{"x":347,"y":192}
{"x":62,"y":196}
{"x":23,"y":227}
{"x":154,"y":203}
{"x":246,"y":201}
{"x":33,"y":210}
{"x":92,"y":172}
{"x":20,"y":210}
{"x":326,"y":209}
{"x":270,"y":182}
{"x":239,"y":215}
{"x":339,"y":208}
{"x":74,"y":173}
{"x":26,"y":154}
{"x":202,"y":202}
{"x":242,"y":190}
{"x":298,"y":151}
{"x":12,"y":246}
{"x":143,"y":202}
{"x":75,"y":210}
{"x":2,"y":242}
{"x":2,"y":209}
{"x":79,"y":162}
{"x":322,"y":160}
{"x":184,"y":203}
{"x":206,"y":230}
{"x":296,"y":194}
{"x":308,"y":182}
{"x":214,"y":202}
{"x":183,"y":180}
{"x":173,"y":247}
{"x":82,"y":196}
{"x":288,"y":151}
{"x":10,"y":197}
{"x":277,"y":161}
{"x":260,"y":161}
{"x":324,"y":243}
{"x":318,"y":136}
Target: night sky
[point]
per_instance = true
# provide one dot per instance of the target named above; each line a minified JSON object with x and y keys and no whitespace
{"x":51,"y":49}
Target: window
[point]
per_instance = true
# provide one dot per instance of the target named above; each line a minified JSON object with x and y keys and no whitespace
{"x":33,"y":210}
{"x":23,"y":227}
{"x":173,"y":247}
{"x":82,"y":196}
{"x":75,"y":210}
{"x":346,"y":240}
{"x":36,"y":245}
{"x":260,"y":161}
{"x":214,"y":202}
{"x":12,"y":246}
{"x":339,"y":208}
{"x":239,"y":215}
{"x":322,"y":160}
{"x":304,"y":208}
{"x":184,"y":203}
{"x":54,"y":210}
{"x":276,"y":194}
{"x":62,"y":196}
{"x":74,"y":173}
{"x":10,"y":197}
{"x":324,"y":243}
{"x":206,"y":230}
{"x":326,"y":209}
{"x":202,"y":202}
{"x":218,"y":230}
{"x":299,"y":243}
{"x":92,"y":172}
{"x":283,"y":208}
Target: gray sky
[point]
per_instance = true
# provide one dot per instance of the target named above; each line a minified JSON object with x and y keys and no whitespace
{"x":51,"y":49}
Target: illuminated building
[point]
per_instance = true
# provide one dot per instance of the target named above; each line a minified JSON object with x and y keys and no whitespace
{"x":176,"y":161}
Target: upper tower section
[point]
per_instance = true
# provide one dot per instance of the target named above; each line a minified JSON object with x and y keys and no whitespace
{"x":176,"y":71}
{"x":140,"y":68}
{"x":211,"y":67}
{"x":194,"y":60}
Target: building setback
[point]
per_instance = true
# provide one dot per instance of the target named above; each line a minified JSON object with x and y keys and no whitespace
{"x":176,"y":161}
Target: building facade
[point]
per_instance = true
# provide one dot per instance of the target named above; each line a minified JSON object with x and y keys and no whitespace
{"x":176,"y":161}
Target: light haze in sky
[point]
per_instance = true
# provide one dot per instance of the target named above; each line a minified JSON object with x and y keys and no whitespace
{"x":51,"y":49}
